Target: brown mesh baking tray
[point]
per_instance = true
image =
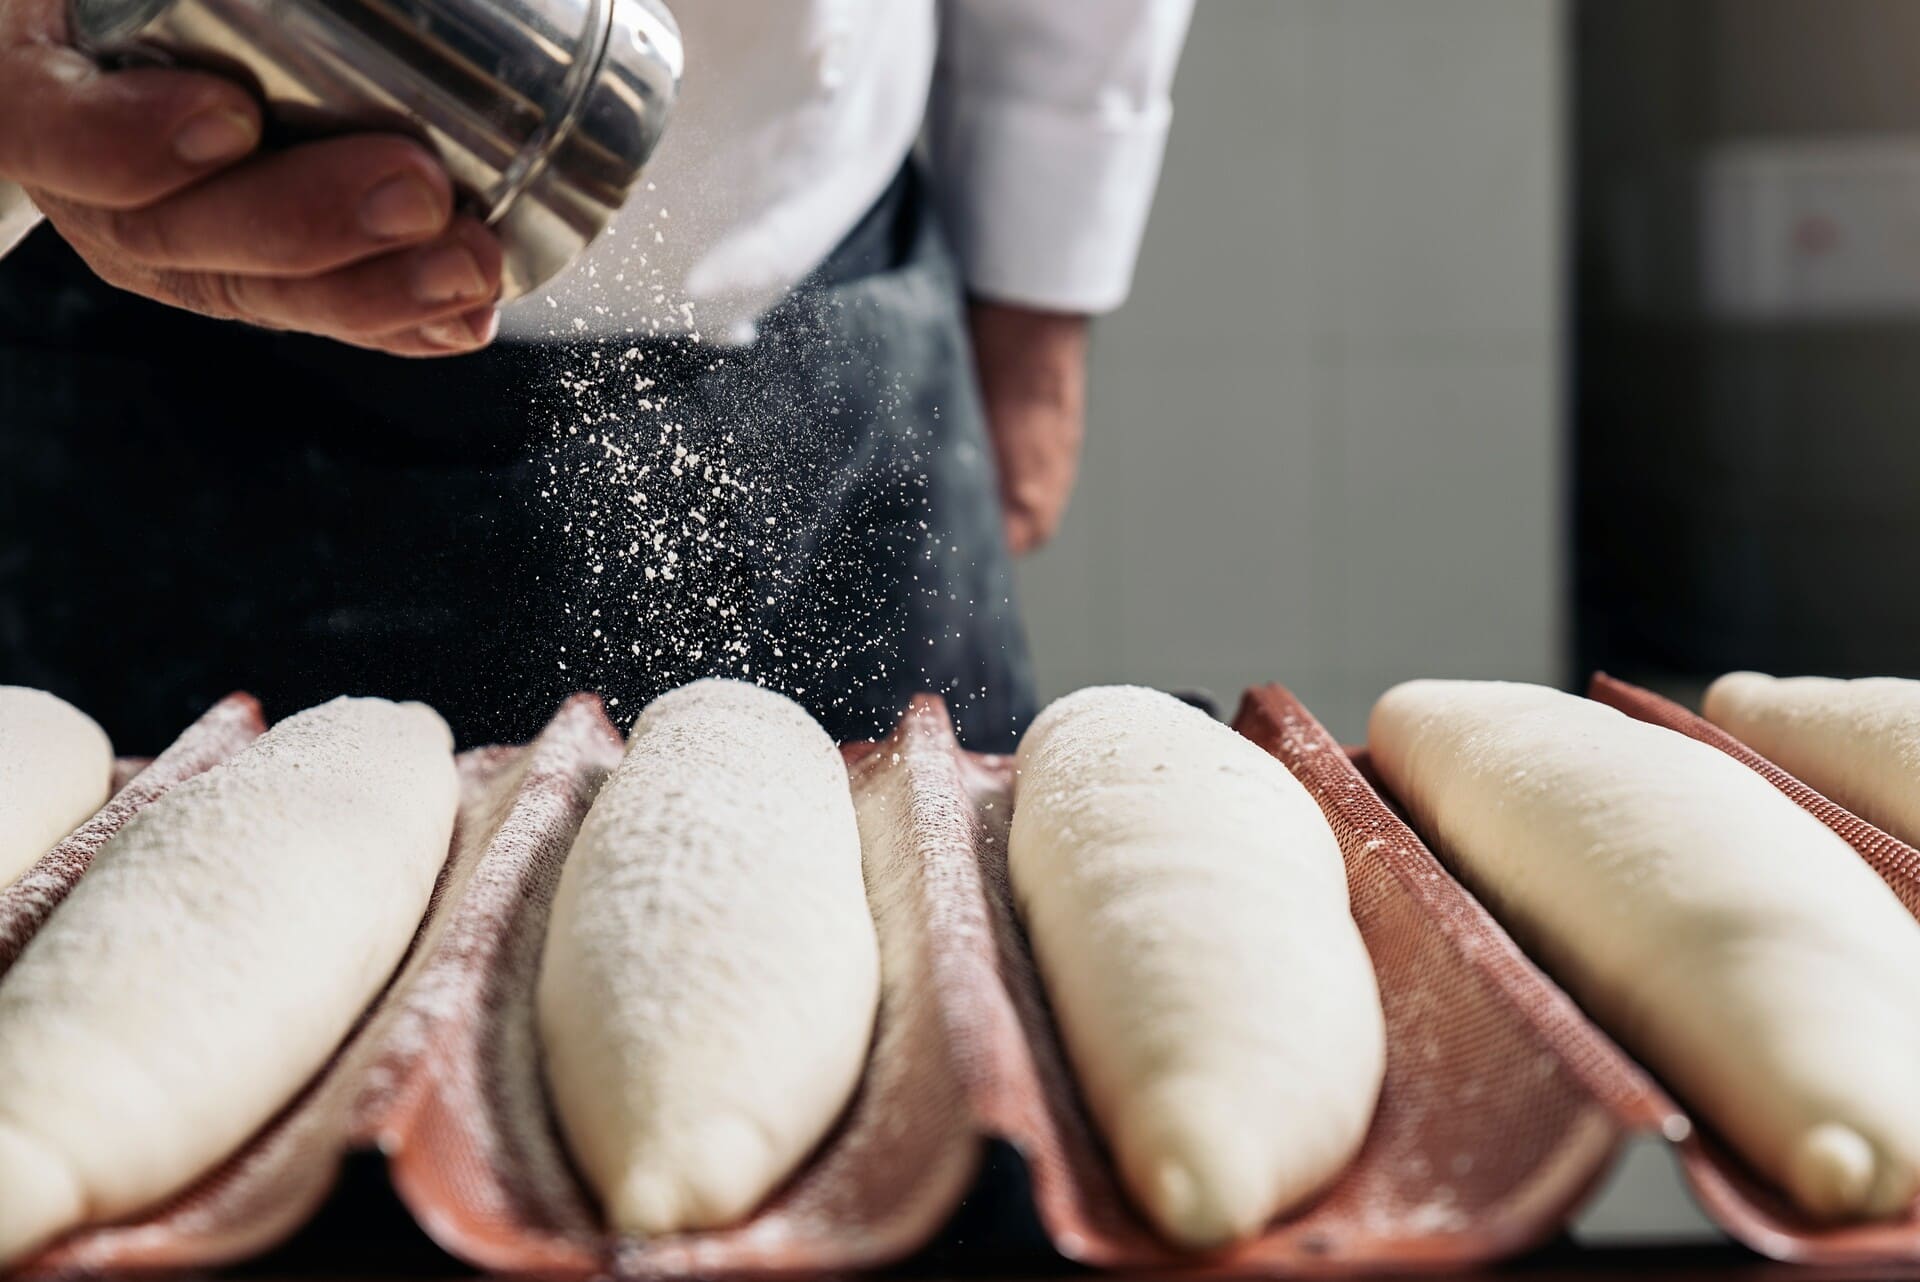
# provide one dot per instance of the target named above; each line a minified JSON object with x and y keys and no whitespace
{"x":1501,"y":1109}
{"x":1502,"y":1105}
{"x":1727,"y":1190}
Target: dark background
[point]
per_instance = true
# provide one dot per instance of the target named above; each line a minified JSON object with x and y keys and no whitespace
{"x":1744,"y":489}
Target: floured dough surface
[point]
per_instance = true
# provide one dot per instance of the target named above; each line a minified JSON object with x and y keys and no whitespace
{"x":711,"y":974}
{"x":215,"y":955}
{"x":1187,"y":905}
{"x":56,"y":769}
{"x":1722,"y":934}
{"x":1856,"y":742}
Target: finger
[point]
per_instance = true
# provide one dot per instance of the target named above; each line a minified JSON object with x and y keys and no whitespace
{"x":468,"y":333}
{"x":212,"y":295}
{"x":115,"y":139}
{"x":434,"y":283}
{"x":300,"y":212}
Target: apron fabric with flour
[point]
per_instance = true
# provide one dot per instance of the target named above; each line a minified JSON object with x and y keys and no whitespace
{"x":189,"y":507}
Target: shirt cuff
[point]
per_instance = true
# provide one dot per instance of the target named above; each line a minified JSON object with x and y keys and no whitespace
{"x":17,"y":217}
{"x":1046,"y":207}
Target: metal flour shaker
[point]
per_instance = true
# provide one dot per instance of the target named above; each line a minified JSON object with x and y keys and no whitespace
{"x":543,"y":111}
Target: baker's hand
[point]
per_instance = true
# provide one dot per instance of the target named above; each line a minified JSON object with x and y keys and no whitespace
{"x":1033,"y":377}
{"x":151,"y":175}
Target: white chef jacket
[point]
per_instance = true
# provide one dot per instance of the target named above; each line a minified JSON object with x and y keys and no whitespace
{"x":1045,"y":121}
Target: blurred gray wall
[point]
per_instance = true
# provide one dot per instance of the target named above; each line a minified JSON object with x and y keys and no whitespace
{"x":1324,"y":444}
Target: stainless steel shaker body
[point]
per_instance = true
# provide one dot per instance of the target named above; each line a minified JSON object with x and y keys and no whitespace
{"x":543,"y":111}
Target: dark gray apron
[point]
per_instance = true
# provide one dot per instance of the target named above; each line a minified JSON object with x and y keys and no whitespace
{"x":189,"y":507}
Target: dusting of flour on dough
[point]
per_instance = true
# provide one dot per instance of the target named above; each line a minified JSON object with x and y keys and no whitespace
{"x":711,"y":973}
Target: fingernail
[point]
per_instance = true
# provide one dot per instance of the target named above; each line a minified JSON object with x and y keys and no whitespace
{"x":449,"y":334}
{"x":448,"y":273}
{"x":401,"y":206}
{"x":475,"y":329}
{"x":211,"y":136}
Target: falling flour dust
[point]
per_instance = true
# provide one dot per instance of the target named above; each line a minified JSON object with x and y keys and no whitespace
{"x":706,"y":518}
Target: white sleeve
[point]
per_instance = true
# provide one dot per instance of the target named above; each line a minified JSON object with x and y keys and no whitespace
{"x":17,"y":216}
{"x":1045,"y":130}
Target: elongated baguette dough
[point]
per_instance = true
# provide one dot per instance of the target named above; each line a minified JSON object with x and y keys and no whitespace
{"x":711,"y":973}
{"x":56,"y":767}
{"x":1724,"y":935}
{"x":1858,"y":742}
{"x":220,"y":948}
{"x":1187,"y":905}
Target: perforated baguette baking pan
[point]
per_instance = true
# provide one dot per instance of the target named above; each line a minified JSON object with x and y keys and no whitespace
{"x":1503,"y":1105}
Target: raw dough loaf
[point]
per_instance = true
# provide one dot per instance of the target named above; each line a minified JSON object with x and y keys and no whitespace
{"x":1187,"y":905}
{"x":1858,"y":742}
{"x":711,"y":974}
{"x":216,"y":954}
{"x":56,"y":768}
{"x":1724,"y":935}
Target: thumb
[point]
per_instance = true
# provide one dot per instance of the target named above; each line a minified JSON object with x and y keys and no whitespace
{"x":114,"y":139}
